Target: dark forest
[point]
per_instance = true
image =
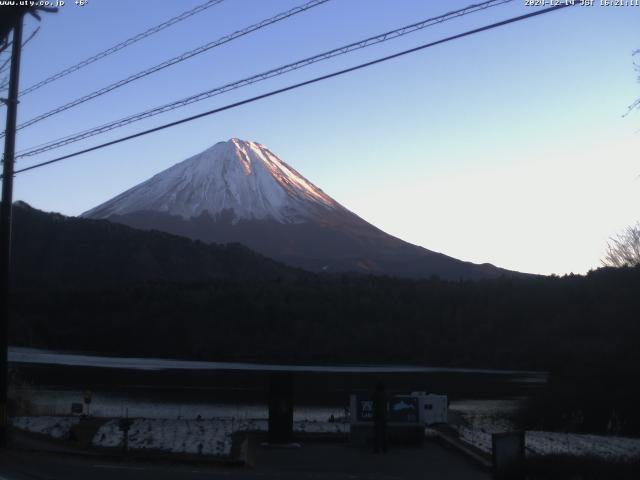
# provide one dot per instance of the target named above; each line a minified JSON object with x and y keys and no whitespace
{"x":584,"y":330}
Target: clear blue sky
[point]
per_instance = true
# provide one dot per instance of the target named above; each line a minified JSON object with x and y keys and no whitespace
{"x":506,"y":147}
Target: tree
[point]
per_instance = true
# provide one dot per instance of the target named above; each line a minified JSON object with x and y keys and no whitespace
{"x":5,"y":60}
{"x":636,"y":65}
{"x":624,"y":248}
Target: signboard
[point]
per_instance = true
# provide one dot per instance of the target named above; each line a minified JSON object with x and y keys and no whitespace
{"x":403,"y":409}
{"x":364,"y":410}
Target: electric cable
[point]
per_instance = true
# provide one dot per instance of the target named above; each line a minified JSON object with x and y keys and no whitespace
{"x":383,"y":37}
{"x":172,"y":61}
{"x":121,"y":45}
{"x":298,"y":85}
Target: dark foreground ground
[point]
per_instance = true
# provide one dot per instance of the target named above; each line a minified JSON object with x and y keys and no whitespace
{"x":314,"y":459}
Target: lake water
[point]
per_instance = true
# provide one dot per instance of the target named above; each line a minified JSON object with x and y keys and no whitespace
{"x":161,"y":388}
{"x":21,"y":355}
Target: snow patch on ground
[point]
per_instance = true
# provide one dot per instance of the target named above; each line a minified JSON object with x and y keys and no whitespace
{"x":618,"y":448}
{"x":56,"y":427}
{"x":554,"y":443}
{"x":55,"y":403}
{"x":478,"y":438}
{"x":482,"y":418}
{"x":212,"y":437}
{"x":320,"y":427}
{"x":206,"y":437}
{"x":493,"y":416}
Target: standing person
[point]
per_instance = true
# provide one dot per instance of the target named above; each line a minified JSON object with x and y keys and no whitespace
{"x":379,"y":419}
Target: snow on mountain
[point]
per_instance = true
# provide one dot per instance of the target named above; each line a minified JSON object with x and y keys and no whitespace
{"x":239,"y":191}
{"x":240,"y":176}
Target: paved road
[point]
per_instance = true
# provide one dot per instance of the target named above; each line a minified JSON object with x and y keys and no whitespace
{"x":312,"y":460}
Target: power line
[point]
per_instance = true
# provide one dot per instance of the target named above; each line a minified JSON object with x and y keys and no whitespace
{"x":121,"y":45}
{"x":175,"y":60}
{"x":298,"y":85}
{"x":383,"y":37}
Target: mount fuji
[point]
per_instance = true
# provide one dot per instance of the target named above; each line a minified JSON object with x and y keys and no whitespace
{"x":240,"y":191}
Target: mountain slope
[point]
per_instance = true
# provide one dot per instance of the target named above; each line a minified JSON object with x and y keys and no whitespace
{"x":52,"y":250}
{"x":239,"y":191}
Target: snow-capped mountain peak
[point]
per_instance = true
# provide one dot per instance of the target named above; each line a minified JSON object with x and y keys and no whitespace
{"x":239,"y":191}
{"x":240,"y":176}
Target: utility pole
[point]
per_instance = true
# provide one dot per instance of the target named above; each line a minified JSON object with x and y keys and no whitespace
{"x":5,"y":222}
{"x":11,"y":19}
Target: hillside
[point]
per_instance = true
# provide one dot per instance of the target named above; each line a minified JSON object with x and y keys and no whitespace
{"x":52,"y":250}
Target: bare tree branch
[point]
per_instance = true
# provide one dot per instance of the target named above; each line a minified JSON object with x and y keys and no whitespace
{"x":4,"y":82}
{"x":636,"y":67}
{"x":5,"y":64}
{"x":624,"y":248}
